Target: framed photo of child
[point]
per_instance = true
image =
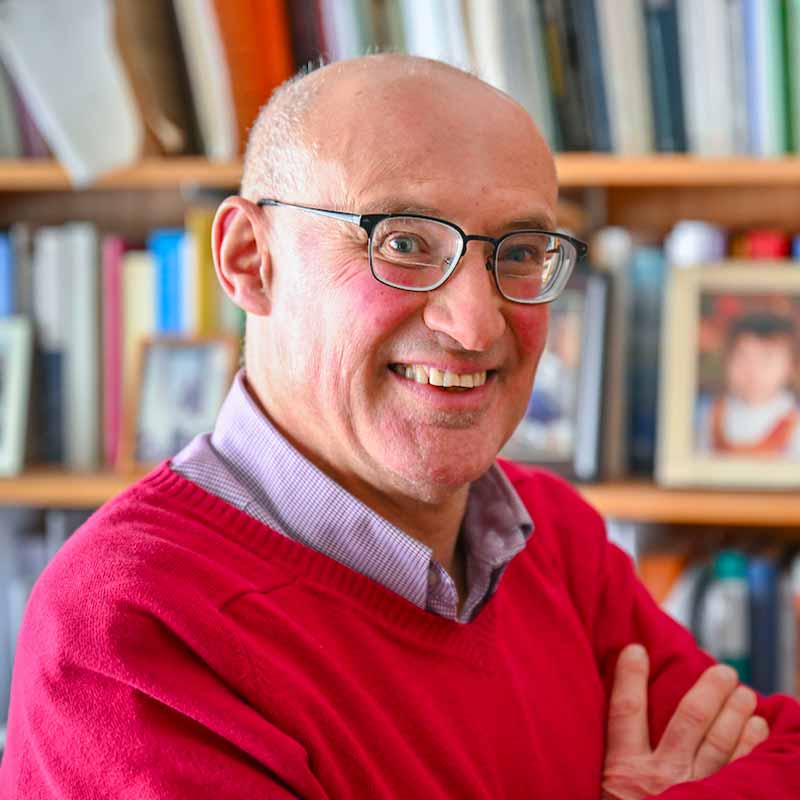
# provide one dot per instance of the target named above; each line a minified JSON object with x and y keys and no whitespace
{"x":180,"y":388}
{"x":729,"y":410}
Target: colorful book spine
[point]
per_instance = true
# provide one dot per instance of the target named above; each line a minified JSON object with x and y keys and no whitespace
{"x":762,"y":583}
{"x":7,"y":289}
{"x":166,"y":245}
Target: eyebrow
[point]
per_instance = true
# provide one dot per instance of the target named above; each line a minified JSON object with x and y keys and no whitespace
{"x":401,"y":205}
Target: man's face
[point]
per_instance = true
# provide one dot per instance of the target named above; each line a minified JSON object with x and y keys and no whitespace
{"x":759,"y":367}
{"x":339,"y":340}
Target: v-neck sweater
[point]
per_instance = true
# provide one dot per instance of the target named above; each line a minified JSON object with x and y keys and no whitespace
{"x":177,"y":647}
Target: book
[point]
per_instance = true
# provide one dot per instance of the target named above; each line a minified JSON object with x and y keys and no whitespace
{"x":60,"y":67}
{"x":21,"y":238}
{"x":763,"y":591}
{"x":149,"y":44}
{"x":765,"y":72}
{"x":138,"y":312}
{"x":200,"y":267}
{"x":437,"y":30}
{"x":209,"y":77}
{"x":258,"y":48}
{"x":706,"y":48}
{"x":166,"y":245}
{"x":7,"y":288}
{"x":113,"y":250}
{"x":10,"y":137}
{"x":347,"y":28}
{"x":664,"y":69}
{"x":622,"y":38}
{"x":50,"y":287}
{"x":792,"y":49}
{"x":508,"y":53}
{"x":308,"y":40}
{"x":81,"y":412}
{"x":561,"y":51}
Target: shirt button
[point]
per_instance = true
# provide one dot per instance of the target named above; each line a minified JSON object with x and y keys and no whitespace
{"x":433,"y":578}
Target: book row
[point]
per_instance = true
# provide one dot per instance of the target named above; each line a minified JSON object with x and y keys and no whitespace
{"x":92,"y":300}
{"x":719,"y":77}
{"x":742,"y":604}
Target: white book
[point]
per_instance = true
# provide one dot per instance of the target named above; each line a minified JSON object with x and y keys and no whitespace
{"x":509,"y":53}
{"x":82,"y":354}
{"x":209,"y":77}
{"x":138,"y":311}
{"x":68,"y":69}
{"x":625,"y":73}
{"x":435,"y":30}
{"x":342,"y":28}
{"x":787,"y":635}
{"x":49,"y":289}
{"x":706,"y":55}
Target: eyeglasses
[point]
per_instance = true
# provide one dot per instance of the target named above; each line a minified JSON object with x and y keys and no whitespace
{"x":419,"y":253}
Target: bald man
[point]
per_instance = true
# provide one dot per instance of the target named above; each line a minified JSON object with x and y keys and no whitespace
{"x":340,"y":592}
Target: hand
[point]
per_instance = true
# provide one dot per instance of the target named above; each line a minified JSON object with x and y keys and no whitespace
{"x":712,"y":726}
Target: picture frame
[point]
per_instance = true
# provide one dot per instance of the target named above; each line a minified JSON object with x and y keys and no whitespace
{"x":180,"y":386}
{"x":16,"y":356}
{"x":729,"y":379}
{"x":563,"y":424}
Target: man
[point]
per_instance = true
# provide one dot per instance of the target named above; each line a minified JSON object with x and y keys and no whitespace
{"x":339,"y":593}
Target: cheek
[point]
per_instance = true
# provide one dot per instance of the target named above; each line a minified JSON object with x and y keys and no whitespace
{"x":529,"y":326}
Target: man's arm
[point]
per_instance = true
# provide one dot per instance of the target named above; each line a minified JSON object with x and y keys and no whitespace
{"x":110,"y":702}
{"x":623,"y":612}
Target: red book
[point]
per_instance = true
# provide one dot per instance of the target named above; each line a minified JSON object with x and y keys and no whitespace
{"x":258,"y":47}
{"x":767,"y":243}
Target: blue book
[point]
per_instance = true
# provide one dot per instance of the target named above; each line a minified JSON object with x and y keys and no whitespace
{"x":661,"y":28}
{"x":7,"y":288}
{"x":762,"y":581}
{"x":166,"y":245}
{"x":646,"y":282}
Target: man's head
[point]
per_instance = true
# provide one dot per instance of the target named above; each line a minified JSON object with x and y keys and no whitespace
{"x":324,"y":339}
{"x":760,"y":360}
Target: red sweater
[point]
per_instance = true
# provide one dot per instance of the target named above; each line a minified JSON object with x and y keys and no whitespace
{"x":178,"y":648}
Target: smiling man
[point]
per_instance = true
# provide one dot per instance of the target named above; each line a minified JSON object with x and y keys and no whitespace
{"x":340,"y":592}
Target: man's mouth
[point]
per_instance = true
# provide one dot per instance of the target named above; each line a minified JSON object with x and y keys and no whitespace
{"x":455,"y":381}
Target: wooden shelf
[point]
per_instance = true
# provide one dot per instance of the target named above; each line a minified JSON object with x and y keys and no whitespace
{"x":647,"y":502}
{"x":54,"y":488}
{"x":40,"y":175}
{"x":574,"y":170}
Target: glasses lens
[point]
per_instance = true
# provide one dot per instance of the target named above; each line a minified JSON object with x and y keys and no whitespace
{"x":413,"y":253}
{"x":534,"y":266}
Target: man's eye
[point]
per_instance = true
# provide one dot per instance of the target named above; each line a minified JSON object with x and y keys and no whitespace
{"x":405,"y":245}
{"x":523,"y":254}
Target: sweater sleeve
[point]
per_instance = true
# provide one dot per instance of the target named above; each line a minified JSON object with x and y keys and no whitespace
{"x":114,"y":699}
{"x":620,"y":611}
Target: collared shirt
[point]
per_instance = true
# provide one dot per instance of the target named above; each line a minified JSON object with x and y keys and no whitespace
{"x":248,"y":463}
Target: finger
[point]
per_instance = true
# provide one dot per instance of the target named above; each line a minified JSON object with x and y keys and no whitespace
{"x":696,"y":711}
{"x":755,"y":731}
{"x":725,"y":732}
{"x":627,"y":710}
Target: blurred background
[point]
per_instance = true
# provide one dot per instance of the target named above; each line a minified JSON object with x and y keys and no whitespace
{"x":668,"y":391}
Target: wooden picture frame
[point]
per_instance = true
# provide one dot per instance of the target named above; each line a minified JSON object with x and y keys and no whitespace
{"x":562,"y":426}
{"x":179,"y":388}
{"x":16,"y":355}
{"x":729,"y":378}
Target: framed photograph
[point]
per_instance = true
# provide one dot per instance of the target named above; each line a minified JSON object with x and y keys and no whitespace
{"x":16,"y":353}
{"x":730,"y":381}
{"x":180,"y":388}
{"x":562,"y":425}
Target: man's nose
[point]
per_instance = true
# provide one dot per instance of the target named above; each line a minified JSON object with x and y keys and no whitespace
{"x":468,"y":308}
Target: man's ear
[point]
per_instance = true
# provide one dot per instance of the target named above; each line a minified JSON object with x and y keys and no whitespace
{"x":241,"y":254}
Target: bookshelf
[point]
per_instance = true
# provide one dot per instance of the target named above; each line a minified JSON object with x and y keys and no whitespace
{"x":648,"y":191}
{"x":575,"y":170}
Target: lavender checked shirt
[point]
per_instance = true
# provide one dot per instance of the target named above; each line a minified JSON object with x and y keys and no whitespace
{"x":249,"y":464}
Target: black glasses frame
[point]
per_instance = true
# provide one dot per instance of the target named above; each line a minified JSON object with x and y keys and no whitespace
{"x":368,"y":223}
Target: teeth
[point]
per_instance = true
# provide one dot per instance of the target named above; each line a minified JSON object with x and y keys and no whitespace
{"x":440,"y":377}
